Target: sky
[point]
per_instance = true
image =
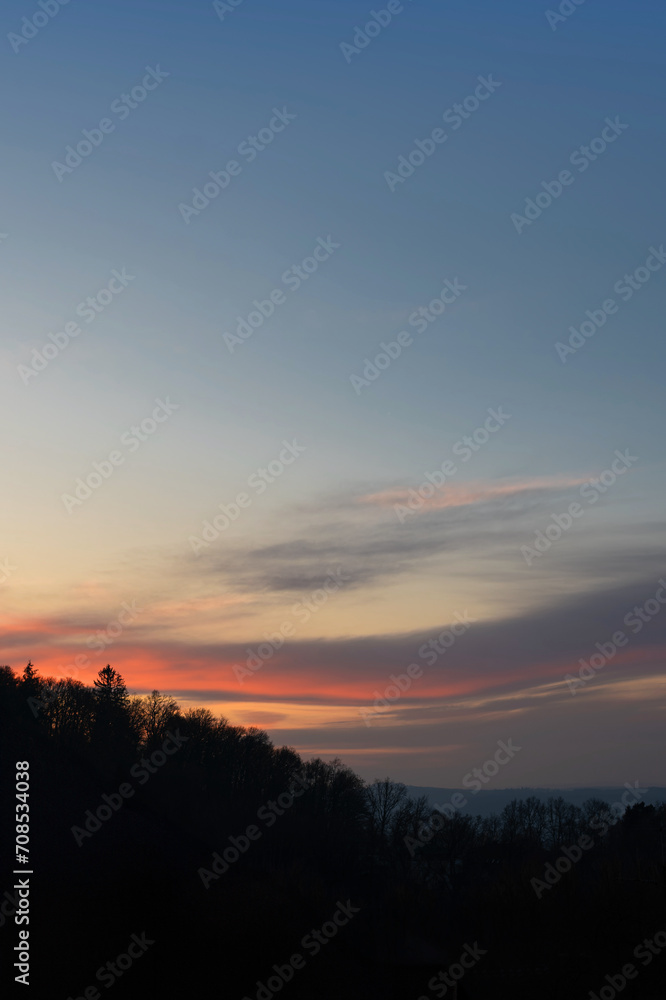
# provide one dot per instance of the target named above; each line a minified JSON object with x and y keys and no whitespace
{"x":330,"y":355}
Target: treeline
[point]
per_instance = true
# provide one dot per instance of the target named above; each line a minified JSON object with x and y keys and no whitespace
{"x":227,"y":850}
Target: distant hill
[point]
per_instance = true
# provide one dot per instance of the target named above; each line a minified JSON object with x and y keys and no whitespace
{"x":486,"y":802}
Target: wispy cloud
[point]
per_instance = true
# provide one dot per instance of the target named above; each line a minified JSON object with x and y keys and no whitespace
{"x":465,"y":494}
{"x":488,"y":518}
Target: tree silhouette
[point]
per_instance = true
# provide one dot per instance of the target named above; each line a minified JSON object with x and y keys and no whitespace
{"x":156,"y":714}
{"x":30,"y":682}
{"x":320,"y":834}
{"x":114,"y":724}
{"x":111,"y":689}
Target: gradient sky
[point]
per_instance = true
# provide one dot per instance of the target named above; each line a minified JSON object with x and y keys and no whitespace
{"x":331,"y":515}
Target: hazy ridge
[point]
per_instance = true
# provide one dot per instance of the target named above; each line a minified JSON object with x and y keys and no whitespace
{"x":493,"y":800}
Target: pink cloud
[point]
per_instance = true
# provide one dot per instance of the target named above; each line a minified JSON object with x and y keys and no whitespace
{"x":464,"y":494}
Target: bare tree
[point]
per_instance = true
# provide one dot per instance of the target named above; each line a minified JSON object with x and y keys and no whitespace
{"x":383,"y":798}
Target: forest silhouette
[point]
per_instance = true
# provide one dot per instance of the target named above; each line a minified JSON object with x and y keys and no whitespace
{"x":227,"y":856}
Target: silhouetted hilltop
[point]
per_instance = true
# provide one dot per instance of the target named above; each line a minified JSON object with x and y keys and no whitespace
{"x":211,"y":860}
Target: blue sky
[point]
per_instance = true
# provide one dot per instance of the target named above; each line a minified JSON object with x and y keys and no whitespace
{"x":323,"y":177}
